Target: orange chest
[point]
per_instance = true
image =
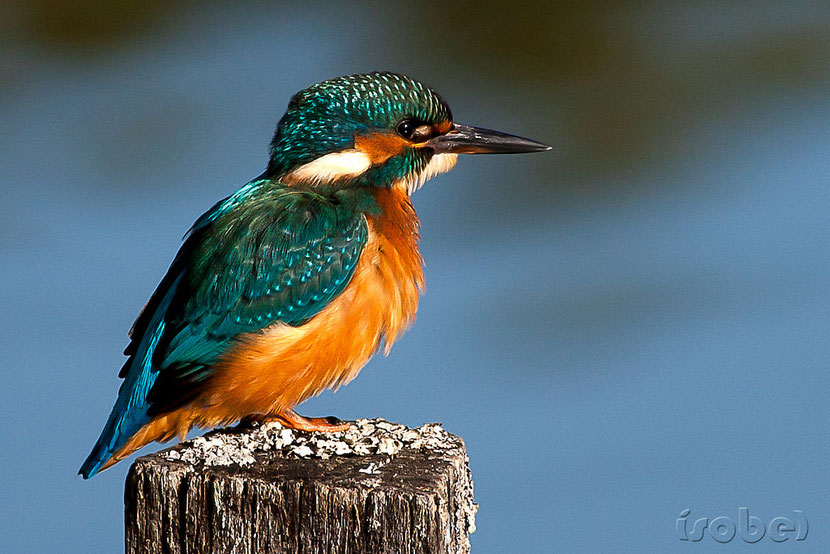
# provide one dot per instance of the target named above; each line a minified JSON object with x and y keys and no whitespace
{"x":375,"y":308}
{"x":283,"y":365}
{"x":384,"y":290}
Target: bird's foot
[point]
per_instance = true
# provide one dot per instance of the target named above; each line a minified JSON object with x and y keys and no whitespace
{"x":330,"y":424}
{"x":293,"y":420}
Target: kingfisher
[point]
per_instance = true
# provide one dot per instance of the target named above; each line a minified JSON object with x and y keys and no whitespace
{"x":290,"y":285}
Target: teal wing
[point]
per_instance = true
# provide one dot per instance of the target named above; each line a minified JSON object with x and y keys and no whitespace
{"x":280,"y":256}
{"x":266,"y":254}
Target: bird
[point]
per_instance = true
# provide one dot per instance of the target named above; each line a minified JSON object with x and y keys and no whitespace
{"x":290,"y":285}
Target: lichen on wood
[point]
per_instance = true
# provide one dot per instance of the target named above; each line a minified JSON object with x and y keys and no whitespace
{"x":376,"y":487}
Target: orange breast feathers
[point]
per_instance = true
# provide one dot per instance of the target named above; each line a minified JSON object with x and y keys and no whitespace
{"x":283,"y":366}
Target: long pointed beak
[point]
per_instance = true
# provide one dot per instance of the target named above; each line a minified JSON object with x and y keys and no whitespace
{"x":465,"y":139}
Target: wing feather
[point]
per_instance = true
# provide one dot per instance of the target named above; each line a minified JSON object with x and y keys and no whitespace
{"x":266,"y":254}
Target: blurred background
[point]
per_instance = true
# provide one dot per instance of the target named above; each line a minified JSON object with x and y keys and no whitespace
{"x":630,"y":326}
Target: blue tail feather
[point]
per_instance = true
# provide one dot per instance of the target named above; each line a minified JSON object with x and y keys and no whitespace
{"x":116,"y":432}
{"x":130,"y":411}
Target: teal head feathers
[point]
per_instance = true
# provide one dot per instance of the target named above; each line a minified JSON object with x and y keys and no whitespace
{"x":375,"y":129}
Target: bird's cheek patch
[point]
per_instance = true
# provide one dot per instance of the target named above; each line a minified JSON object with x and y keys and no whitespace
{"x":369,"y":150}
{"x":379,"y":147}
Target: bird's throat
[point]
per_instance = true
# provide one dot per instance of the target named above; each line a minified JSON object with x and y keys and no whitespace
{"x":439,"y":163}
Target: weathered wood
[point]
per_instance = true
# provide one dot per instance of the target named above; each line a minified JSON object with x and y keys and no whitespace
{"x":378,"y":487}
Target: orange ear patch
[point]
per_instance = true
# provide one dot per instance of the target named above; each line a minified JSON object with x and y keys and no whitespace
{"x":442,"y":127}
{"x":380,"y":146}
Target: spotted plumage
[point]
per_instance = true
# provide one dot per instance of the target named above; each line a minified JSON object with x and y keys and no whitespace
{"x":288,"y":286}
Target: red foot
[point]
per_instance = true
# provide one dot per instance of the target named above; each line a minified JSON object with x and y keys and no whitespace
{"x":293,"y":420}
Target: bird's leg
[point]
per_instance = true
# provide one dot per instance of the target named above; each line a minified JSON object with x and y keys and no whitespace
{"x":292,"y":419}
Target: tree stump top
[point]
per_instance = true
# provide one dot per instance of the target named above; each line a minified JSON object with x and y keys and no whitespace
{"x":376,"y":487}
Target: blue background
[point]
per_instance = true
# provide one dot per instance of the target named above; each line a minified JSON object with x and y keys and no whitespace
{"x":629,"y":326}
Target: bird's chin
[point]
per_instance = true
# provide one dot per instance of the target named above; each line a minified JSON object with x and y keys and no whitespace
{"x":438,"y":163}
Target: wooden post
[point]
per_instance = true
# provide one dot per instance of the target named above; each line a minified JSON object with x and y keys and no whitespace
{"x":378,"y":487}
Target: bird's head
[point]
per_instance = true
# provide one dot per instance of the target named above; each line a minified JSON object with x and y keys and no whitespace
{"x":376,"y":129}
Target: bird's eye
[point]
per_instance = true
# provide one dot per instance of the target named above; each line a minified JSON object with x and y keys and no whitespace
{"x":414,"y":130}
{"x":405,"y":128}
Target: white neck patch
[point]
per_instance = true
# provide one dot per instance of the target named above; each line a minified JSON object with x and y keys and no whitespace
{"x":330,"y":168}
{"x":352,"y":163}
